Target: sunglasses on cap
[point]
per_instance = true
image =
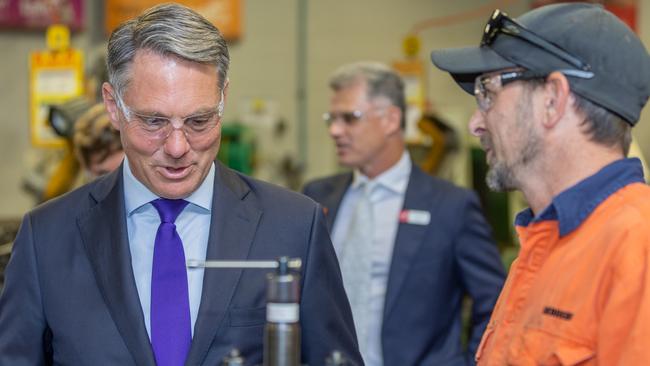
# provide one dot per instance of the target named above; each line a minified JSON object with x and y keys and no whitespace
{"x":501,"y":23}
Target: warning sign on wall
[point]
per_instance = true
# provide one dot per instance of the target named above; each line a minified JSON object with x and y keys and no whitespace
{"x":55,"y":77}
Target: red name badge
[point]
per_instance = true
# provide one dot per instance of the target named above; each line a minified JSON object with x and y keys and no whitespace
{"x":415,"y":217}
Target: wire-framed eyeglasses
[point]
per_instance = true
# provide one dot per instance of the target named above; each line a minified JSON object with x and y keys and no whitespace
{"x":351,"y":118}
{"x":159,"y":127}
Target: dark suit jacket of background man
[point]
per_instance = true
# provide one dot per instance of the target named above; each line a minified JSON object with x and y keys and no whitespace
{"x":432,"y":268}
{"x":70,"y":290}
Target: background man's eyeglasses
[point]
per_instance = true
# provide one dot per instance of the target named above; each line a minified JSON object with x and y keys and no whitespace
{"x":501,"y":23}
{"x":349,"y":118}
{"x":352,"y":117}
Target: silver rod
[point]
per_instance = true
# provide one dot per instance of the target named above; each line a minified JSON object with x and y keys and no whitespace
{"x":196,"y":263}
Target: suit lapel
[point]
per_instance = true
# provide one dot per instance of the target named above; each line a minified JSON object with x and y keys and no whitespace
{"x":419,"y":196}
{"x":333,"y":195}
{"x":235,"y":217}
{"x":104,"y":235}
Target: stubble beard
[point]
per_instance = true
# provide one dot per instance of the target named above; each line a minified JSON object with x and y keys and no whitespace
{"x":503,"y":176}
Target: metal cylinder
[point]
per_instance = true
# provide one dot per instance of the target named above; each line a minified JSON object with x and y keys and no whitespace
{"x":282,"y":330}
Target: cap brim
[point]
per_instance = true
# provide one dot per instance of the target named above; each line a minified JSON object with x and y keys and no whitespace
{"x":464,"y":64}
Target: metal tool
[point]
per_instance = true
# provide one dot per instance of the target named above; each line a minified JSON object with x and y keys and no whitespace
{"x":282,"y":330}
{"x":292,"y":263}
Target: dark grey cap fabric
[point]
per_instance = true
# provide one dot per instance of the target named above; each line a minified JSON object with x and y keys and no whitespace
{"x":618,"y":59}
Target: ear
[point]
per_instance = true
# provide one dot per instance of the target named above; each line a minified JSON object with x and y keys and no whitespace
{"x":556,"y":98}
{"x":393,"y":120}
{"x":226,"y":85}
{"x":223,"y":97}
{"x":111,"y":104}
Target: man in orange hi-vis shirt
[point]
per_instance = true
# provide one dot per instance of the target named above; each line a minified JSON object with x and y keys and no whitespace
{"x":558,"y":92}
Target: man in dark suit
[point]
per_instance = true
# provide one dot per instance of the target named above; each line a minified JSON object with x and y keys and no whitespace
{"x":98,"y":277}
{"x":410,"y":246}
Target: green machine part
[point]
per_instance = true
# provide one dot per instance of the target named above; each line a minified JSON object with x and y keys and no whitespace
{"x":237,"y":149}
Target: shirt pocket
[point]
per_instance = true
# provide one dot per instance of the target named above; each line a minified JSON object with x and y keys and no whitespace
{"x":544,"y":347}
{"x":247,"y":317}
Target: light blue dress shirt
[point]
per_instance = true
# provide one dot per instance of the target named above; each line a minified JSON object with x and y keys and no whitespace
{"x":387,"y":200}
{"x":142,"y":221}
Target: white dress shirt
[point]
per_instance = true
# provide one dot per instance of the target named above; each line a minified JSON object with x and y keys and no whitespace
{"x":387,"y":200}
{"x":192,"y":225}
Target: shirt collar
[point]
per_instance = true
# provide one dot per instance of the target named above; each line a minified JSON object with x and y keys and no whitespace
{"x":572,"y":206}
{"x":394,"y":179}
{"x":137,"y":194}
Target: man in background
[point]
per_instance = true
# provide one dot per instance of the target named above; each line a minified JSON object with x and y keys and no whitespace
{"x":558,"y":91}
{"x":99,"y":276}
{"x":96,"y":143}
{"x":410,"y":246}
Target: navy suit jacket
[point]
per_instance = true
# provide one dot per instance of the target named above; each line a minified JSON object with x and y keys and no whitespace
{"x":433,"y":267}
{"x":70,"y":297}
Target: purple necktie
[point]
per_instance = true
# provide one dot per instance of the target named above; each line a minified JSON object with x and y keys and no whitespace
{"x":171,"y":333}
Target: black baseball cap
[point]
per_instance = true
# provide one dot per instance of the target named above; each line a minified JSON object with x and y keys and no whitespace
{"x":603,"y":59}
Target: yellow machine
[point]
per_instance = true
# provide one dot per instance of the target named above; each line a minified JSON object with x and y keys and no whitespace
{"x":56,"y":100}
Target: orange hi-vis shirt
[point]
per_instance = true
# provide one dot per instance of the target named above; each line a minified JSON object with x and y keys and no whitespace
{"x":579,"y":291}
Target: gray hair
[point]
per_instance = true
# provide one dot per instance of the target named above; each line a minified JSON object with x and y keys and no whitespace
{"x":603,"y":126}
{"x":381,"y":81}
{"x":168,"y":30}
